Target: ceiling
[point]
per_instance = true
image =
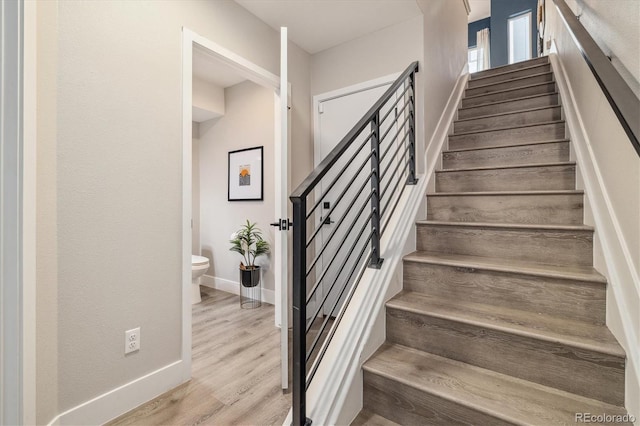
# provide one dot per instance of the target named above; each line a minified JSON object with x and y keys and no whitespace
{"x":480,"y":9}
{"x":212,"y":70}
{"x":316,"y":25}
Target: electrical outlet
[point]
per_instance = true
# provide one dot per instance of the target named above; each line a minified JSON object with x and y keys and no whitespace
{"x":132,"y":340}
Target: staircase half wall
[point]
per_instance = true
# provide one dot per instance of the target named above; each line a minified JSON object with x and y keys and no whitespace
{"x":608,"y":169}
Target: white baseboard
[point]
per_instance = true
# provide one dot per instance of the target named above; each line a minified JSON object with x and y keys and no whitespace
{"x":268,"y":296}
{"x":620,"y":270}
{"x":122,"y":399}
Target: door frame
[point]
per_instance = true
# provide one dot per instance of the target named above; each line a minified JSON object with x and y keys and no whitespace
{"x":259,"y":76}
{"x":18,"y":213}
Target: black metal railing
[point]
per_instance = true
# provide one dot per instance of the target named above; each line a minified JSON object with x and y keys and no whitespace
{"x":623,"y":101}
{"x":340,"y":213}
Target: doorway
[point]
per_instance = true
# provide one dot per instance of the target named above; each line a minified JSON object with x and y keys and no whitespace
{"x":260,"y":77}
{"x":519,"y":37}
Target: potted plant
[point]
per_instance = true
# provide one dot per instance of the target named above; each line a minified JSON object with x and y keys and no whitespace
{"x":248,"y":241}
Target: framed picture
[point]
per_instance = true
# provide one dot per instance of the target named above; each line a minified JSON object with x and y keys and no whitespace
{"x":246,"y":175}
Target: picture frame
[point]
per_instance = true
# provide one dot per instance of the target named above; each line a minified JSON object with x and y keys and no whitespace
{"x":245,"y":177}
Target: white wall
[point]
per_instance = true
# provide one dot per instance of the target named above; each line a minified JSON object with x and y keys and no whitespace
{"x":445,"y":56}
{"x":375,"y":55}
{"x":614,"y":27}
{"x":207,"y":96}
{"x":112,"y":123}
{"x":248,"y":122}
{"x":609,"y":171}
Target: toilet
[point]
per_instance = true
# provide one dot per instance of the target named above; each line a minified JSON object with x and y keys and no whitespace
{"x":199,"y":265}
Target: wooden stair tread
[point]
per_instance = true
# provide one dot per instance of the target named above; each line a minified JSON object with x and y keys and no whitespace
{"x":510,"y":399}
{"x":369,"y":418}
{"x":524,"y":226}
{"x":515,"y":166}
{"x":508,"y":100}
{"x":491,"y":71}
{"x":544,"y":123}
{"x":512,"y":80}
{"x":481,"y":148}
{"x":480,"y":193}
{"x":501,"y":114}
{"x":508,"y":72}
{"x":505,"y":90}
{"x":596,"y":338}
{"x":578,"y":273}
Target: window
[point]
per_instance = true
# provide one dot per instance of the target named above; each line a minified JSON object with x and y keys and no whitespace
{"x":519,"y":33}
{"x":473,"y":59}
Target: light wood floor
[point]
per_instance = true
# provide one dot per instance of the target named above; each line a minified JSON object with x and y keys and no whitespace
{"x":235,"y":371}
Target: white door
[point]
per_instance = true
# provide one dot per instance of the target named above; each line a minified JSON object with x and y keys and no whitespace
{"x":346,"y":227}
{"x":282,"y":194}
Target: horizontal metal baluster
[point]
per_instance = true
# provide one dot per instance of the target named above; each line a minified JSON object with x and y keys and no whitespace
{"x":341,"y":196}
{"x":334,"y":327}
{"x":404,"y":153}
{"x":395,"y":103}
{"x":317,"y":283}
{"x":396,"y":119}
{"x":403,"y":162}
{"x":339,"y":223}
{"x":394,"y":207}
{"x":324,"y":299}
{"x":397,"y":151}
{"x":337,"y":302}
{"x":337,"y":178}
{"x":390,"y":143}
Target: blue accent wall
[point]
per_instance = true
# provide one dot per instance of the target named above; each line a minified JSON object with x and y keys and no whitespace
{"x":476,"y":26}
{"x":501,"y":11}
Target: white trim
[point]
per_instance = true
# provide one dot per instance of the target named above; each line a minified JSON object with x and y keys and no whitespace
{"x":619,"y":263}
{"x":229,"y":286}
{"x":11,"y":212}
{"x":281,"y":203}
{"x":335,"y":394}
{"x":187,"y":147}
{"x":122,"y":399}
{"x":29,"y":126}
{"x":253,"y":72}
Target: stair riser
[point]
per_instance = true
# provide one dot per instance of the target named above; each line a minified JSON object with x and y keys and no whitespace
{"x":410,"y":406}
{"x":554,"y":247}
{"x":512,"y":67}
{"x":509,"y":120}
{"x":524,"y":72}
{"x":541,"y":178}
{"x":526,"y":81}
{"x":554,"y":364}
{"x":509,"y":156}
{"x":519,"y":135}
{"x":573,"y":300}
{"x":556,"y":209}
{"x":509,"y":106}
{"x":539,"y":89}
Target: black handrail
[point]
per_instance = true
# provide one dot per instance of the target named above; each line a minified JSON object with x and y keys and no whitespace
{"x":342,"y":263}
{"x":623,"y":101}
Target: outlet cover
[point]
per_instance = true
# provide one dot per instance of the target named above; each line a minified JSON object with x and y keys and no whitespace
{"x":132,"y":340}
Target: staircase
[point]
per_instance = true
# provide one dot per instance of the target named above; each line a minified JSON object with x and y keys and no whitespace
{"x":502,"y":316}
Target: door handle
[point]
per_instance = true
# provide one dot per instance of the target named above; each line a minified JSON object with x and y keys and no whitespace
{"x":327,"y":220}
